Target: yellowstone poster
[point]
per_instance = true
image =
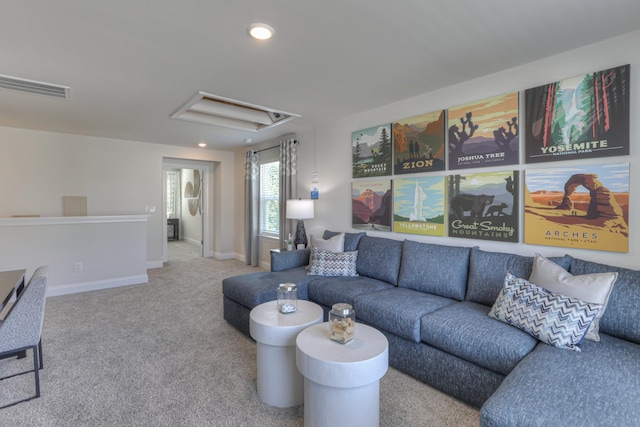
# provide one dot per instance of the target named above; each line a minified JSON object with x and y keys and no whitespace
{"x":579,"y":118}
{"x":484,"y":133}
{"x":584,"y":207}
{"x":418,"y":144}
{"x":371,"y":205}
{"x":371,"y":151}
{"x":419,"y":205}
{"x":484,"y":206}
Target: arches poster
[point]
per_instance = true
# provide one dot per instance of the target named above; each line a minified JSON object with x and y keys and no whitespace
{"x":584,"y":207}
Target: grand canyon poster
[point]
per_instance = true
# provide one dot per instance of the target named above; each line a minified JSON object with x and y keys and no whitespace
{"x":371,"y":205}
{"x":371,"y":151}
{"x":484,"y":133}
{"x":484,"y":206}
{"x":584,"y":207}
{"x":419,"y":205}
{"x":418,"y":143}
{"x":578,"y":118}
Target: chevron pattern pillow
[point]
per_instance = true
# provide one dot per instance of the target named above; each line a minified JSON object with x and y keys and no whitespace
{"x":552,"y":318}
{"x":327,"y":263}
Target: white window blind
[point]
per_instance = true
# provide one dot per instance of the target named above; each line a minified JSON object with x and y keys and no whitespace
{"x":269,"y":198}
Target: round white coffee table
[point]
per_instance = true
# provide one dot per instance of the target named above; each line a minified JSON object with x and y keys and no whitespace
{"x":279,"y":382}
{"x":342,"y":381}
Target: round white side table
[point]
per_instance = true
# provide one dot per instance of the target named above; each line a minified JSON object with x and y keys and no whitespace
{"x":342,"y":381}
{"x":279,"y":382}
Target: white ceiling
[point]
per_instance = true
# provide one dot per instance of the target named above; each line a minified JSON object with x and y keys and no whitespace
{"x":131,"y":64}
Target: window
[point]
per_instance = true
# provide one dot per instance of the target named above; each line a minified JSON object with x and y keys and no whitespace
{"x":270,"y":199}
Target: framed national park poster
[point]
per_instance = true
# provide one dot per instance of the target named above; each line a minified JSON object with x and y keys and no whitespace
{"x":578,"y":118}
{"x":484,"y":133}
{"x":371,"y":205}
{"x":484,"y":206}
{"x":419,"y":205}
{"x":371,"y":151}
{"x":584,"y":207}
{"x":418,"y":143}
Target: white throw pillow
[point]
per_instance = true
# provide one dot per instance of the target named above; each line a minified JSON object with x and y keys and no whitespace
{"x":333,"y":244}
{"x":593,"y":288}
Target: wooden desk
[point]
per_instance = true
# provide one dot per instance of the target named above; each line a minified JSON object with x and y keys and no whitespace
{"x":11,"y":283}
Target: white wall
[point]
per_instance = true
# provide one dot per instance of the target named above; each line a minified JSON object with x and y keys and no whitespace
{"x":332,"y":145}
{"x":117,"y":176}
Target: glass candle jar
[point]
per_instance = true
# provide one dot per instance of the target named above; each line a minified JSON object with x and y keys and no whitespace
{"x":342,"y":321}
{"x":287,"y":298}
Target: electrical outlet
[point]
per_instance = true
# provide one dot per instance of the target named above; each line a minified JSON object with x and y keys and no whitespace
{"x":78,"y":267}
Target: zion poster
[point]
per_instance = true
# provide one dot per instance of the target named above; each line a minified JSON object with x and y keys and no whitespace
{"x":419,"y":205}
{"x":579,"y":118}
{"x":371,"y":151}
{"x":484,"y":206}
{"x":584,"y":207}
{"x":371,"y":205}
{"x":484,"y":133}
{"x":418,"y":144}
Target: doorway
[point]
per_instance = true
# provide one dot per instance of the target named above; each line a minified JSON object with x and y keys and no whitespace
{"x":186,"y":208}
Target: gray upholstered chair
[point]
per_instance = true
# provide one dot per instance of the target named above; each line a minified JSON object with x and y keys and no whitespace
{"x":21,"y":328}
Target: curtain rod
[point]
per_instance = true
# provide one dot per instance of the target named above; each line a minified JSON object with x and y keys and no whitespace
{"x":271,"y":148}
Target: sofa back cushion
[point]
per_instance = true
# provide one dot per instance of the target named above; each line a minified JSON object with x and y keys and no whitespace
{"x":487,"y":271}
{"x":622,"y":317}
{"x":351,"y":240}
{"x":435,"y":269}
{"x":379,"y":258}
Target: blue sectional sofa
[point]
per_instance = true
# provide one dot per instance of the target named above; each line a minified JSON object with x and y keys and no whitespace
{"x":432,"y":303}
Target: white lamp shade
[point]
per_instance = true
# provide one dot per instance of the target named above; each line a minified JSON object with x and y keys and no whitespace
{"x":299,"y":208}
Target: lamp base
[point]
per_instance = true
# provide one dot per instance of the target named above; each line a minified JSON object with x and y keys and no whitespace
{"x":301,"y":235}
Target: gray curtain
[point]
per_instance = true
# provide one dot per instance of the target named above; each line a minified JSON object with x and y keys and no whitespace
{"x":288,"y":183}
{"x":251,"y":206}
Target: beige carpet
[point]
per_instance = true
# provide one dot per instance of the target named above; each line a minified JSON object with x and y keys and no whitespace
{"x":161,"y":354}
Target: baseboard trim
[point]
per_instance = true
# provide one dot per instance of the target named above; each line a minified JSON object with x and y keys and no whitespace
{"x":154,"y":264}
{"x":72,"y":288}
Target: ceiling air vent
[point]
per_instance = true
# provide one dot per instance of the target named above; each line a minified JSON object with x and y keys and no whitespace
{"x":218,"y":111}
{"x":30,"y":86}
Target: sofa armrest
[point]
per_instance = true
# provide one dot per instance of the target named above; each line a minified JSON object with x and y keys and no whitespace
{"x":284,"y":260}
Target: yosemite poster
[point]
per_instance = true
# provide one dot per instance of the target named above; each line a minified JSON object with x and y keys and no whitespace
{"x":484,"y":133}
{"x":418,"y":144}
{"x":419,"y":205}
{"x":371,"y":151}
{"x":484,"y":206}
{"x":583,"y":207}
{"x":371,"y":205}
{"x":579,"y":118}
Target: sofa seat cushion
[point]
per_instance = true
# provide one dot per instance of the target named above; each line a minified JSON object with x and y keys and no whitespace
{"x":331,"y":290}
{"x":253,"y":289}
{"x":487,"y":270}
{"x":398,"y":310}
{"x":464,"y":330}
{"x":417,"y":270}
{"x":597,"y":387}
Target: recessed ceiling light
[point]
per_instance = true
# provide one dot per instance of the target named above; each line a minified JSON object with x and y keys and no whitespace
{"x":261,"y":31}
{"x":202,"y":144}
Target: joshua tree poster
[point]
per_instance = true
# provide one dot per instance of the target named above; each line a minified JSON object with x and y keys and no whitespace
{"x":371,"y":151}
{"x":371,"y":205}
{"x":583,"y":207}
{"x":484,"y":206}
{"x":419,"y":205}
{"x":578,"y":118}
{"x":418,"y":143}
{"x":484,"y":133}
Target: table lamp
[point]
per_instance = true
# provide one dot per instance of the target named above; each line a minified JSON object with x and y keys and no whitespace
{"x":300,"y":209}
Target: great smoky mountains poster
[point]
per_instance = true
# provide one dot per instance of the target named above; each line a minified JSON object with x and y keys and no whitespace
{"x":579,"y":118}
{"x":584,"y":207}
{"x":484,"y":206}
{"x":484,"y":133}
